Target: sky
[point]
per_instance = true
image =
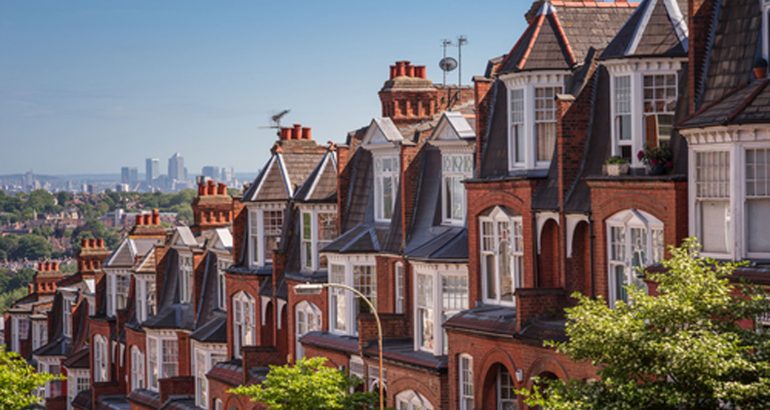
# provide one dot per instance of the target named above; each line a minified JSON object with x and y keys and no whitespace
{"x":88,"y":86}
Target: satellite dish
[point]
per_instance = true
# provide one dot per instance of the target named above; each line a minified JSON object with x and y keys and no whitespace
{"x":447,"y":64}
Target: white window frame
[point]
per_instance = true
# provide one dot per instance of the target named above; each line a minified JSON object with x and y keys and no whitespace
{"x":527,"y":84}
{"x":210,"y":355}
{"x":500,"y":384}
{"x":766,"y":29}
{"x":517,"y":141}
{"x":311,"y":246}
{"x":258,"y":255}
{"x":39,"y":334}
{"x":400,"y":283}
{"x":348,"y":300}
{"x":77,"y":381}
{"x":551,"y":117}
{"x":114,"y":296}
{"x":137,"y":369}
{"x":411,"y":400}
{"x":308,"y":318}
{"x":747,"y":196}
{"x":145,"y":296}
{"x":101,"y":359}
{"x":394,"y":174}
{"x":627,"y":221}
{"x":186,"y":275}
{"x":433,"y":308}
{"x":222,"y":265}
{"x":637,"y":69}
{"x":244,"y":326}
{"x":515,"y":252}
{"x":156,"y":343}
{"x":452,"y":175}
{"x":465,"y":387}
{"x":68,"y":301}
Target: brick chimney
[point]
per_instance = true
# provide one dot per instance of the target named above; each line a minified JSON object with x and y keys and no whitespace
{"x":296,"y":133}
{"x":93,"y":253}
{"x":148,"y":225}
{"x":408,"y":96}
{"x":212,"y":208}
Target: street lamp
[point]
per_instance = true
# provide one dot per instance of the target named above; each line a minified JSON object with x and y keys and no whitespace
{"x":316,"y":288}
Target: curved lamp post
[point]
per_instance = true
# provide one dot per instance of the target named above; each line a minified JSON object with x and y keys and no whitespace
{"x":316,"y":288}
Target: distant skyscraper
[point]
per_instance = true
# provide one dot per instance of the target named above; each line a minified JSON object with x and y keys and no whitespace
{"x":152,"y":169}
{"x":176,"y":167}
{"x":211,"y":171}
{"x":125,"y":174}
{"x":228,"y":173}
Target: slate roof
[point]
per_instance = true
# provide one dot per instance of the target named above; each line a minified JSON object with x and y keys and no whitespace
{"x":321,"y":184}
{"x":402,"y":350}
{"x":171,"y":313}
{"x":130,"y":249}
{"x":560,"y":33}
{"x":658,"y":28}
{"x":731,"y":95}
{"x":486,"y":318}
{"x":285,"y":172}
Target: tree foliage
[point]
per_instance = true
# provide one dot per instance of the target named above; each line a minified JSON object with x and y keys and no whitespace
{"x":683,"y":348}
{"x":18,"y":382}
{"x":308,"y":385}
{"x":30,"y":246}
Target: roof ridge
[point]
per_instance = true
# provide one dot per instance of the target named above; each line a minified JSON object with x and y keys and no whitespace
{"x":598,"y":4}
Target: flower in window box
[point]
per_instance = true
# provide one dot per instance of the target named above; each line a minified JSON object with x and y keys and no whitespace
{"x":658,"y":160}
{"x":616,"y":166}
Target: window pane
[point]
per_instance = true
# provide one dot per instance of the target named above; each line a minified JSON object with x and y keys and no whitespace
{"x":387,"y":197}
{"x":307,"y":226}
{"x":516,"y":143}
{"x":489,"y":268}
{"x":758,"y":223}
{"x":713,"y":229}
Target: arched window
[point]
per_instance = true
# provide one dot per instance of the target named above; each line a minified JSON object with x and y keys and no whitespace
{"x":307,"y":319}
{"x":502,"y":255}
{"x":218,"y":405}
{"x":244,"y":324}
{"x":634,"y":240}
{"x":465,"y":372}
{"x":411,"y":400}
{"x":137,"y":369}
{"x":506,"y":395}
{"x":101,"y":373}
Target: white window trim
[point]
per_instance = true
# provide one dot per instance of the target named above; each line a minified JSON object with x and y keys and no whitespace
{"x":307,"y":309}
{"x":315,"y":244}
{"x":379,"y":203}
{"x":222,"y":265}
{"x":436,"y":272}
{"x":112,"y":289}
{"x":637,"y":69}
{"x":258,"y":211}
{"x":498,"y":215}
{"x":137,"y":372}
{"x":351,"y":314}
{"x":766,"y":30}
{"x":627,"y":220}
{"x":410,"y":399}
{"x":186,"y":276}
{"x":528,"y":82}
{"x":73,"y":375}
{"x":101,"y":355}
{"x":68,"y":302}
{"x":158,"y":338}
{"x":400,"y":284}
{"x":143,"y":284}
{"x":210,"y":352}
{"x":462,"y":380}
{"x":448,"y":219}
{"x":39,"y":334}
{"x":246,"y":302}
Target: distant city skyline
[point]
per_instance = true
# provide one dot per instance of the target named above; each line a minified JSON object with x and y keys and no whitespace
{"x":88,"y":86}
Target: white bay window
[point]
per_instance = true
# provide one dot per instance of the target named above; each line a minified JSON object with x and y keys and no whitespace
{"x":502,"y":256}
{"x":265,"y":227}
{"x":319,"y":228}
{"x":386,"y":177}
{"x":360,"y":273}
{"x":634,"y":241}
{"x":204,"y":359}
{"x":77,"y":381}
{"x":137,"y":369}
{"x":117,"y":289}
{"x":545,"y":122}
{"x":244,"y":322}
{"x":712,"y":199}
{"x":757,"y":202}
{"x":101,"y":358}
{"x":454,"y":169}
{"x":39,"y":334}
{"x":222,"y":265}
{"x":162,"y":358}
{"x":307,"y":319}
{"x":440,"y":292}
{"x":145,"y":296}
{"x":465,"y":371}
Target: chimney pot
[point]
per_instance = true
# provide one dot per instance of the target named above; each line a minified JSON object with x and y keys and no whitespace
{"x":56,"y":266}
{"x":47,"y":267}
{"x":92,"y":243}
{"x":392,"y":72}
{"x":147,"y":220}
{"x":222,"y":189}
{"x":84,"y":243}
{"x":201,"y":189}
{"x":410,"y":71}
{"x":285,"y":133}
{"x":400,"y":68}
{"x":297,"y":132}
{"x":307,"y":133}
{"x":211,"y":188}
{"x":139,"y":219}
{"x":100,"y":243}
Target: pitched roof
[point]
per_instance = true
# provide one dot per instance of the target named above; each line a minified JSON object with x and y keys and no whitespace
{"x":321,"y":185}
{"x":560,"y":33}
{"x":283,"y":175}
{"x":129,"y":250}
{"x":382,"y":131}
{"x":657,"y":28}
{"x":747,"y":105}
{"x":453,"y":125}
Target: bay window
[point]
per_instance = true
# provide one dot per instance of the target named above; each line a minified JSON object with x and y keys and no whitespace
{"x":185,"y":278}
{"x":117,"y":285}
{"x":465,"y":371}
{"x":308,"y":319}
{"x":203,"y":361}
{"x":757,"y":202}
{"x":319,"y":228}
{"x":712,"y":201}
{"x":502,"y":256}
{"x":454,"y":169}
{"x":622,"y":118}
{"x":386,"y":176}
{"x":137,"y":369}
{"x":441,"y":291}
{"x":244,"y":322}
{"x":265,"y":226}
{"x":67,"y":302}
{"x":162,"y":359}
{"x":635,"y":240}
{"x":101,"y":357}
{"x":660,"y":97}
{"x":532,"y":119}
{"x":77,"y":381}
{"x":145,"y":297}
{"x":360,"y":273}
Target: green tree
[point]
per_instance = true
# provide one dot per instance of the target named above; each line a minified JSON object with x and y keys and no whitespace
{"x":308,"y":385}
{"x":18,"y":382}
{"x":683,"y":348}
{"x":32,"y":247}
{"x":93,"y":229}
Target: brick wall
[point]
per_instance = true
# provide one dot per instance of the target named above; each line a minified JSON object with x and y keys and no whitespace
{"x":321,"y":301}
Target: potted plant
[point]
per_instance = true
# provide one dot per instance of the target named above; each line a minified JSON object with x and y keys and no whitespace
{"x":658,"y":160}
{"x":616,"y":166}
{"x":760,"y":68}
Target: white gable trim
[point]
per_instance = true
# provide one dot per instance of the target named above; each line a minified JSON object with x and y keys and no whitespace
{"x":265,"y":174}
{"x":318,"y":176}
{"x":639,"y":30}
{"x":264,"y":301}
{"x":678,"y":20}
{"x":285,"y":173}
{"x":572,"y":222}
{"x":542,"y":218}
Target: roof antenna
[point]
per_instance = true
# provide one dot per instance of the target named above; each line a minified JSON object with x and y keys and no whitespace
{"x":275,"y":119}
{"x":447,"y":64}
{"x":461,"y":41}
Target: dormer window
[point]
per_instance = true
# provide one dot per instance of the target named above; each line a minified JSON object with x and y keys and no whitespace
{"x":644,"y":100}
{"x":532,"y":119}
{"x":117,"y":285}
{"x":386,"y":174}
{"x":67,"y":303}
{"x":185,"y":278}
{"x":454,"y":169}
{"x":222,"y":265}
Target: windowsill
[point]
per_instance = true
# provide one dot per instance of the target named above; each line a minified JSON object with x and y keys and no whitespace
{"x":640,"y":177}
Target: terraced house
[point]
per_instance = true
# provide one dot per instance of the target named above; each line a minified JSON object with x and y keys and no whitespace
{"x":467,"y":216}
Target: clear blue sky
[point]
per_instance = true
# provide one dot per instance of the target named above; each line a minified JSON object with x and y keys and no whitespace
{"x":89,"y":86}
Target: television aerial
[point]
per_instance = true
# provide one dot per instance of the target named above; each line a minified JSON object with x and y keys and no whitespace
{"x":448,"y":64}
{"x":275,"y":119}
